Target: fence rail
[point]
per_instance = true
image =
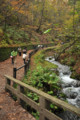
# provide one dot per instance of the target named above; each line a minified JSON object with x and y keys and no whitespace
{"x":44,"y":99}
{"x":20,"y":67}
{"x":26,"y":65}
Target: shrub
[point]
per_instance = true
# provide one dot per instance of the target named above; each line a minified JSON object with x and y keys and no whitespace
{"x":72,"y":62}
{"x":44,"y":79}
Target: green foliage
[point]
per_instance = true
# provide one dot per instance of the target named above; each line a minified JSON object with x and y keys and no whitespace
{"x":5,"y":52}
{"x":15,"y":85}
{"x":52,"y":106}
{"x":6,"y":39}
{"x":75,"y":75}
{"x":36,"y":39}
{"x":44,"y":79}
{"x":39,"y":57}
{"x":40,"y":60}
{"x":50,"y":92}
{"x":33,"y":96}
{"x":64,"y":61}
{"x":18,"y":35}
{"x":13,"y":36}
{"x":3,"y":43}
{"x":36,"y":115}
{"x":72,"y":62}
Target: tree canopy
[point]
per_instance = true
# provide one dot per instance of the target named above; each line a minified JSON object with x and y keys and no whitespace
{"x":26,"y":21}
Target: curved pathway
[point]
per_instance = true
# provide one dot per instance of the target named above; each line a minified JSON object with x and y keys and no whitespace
{"x":10,"y":109}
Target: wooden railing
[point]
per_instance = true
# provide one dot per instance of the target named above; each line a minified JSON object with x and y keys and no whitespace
{"x":44,"y":99}
{"x":26,"y":65}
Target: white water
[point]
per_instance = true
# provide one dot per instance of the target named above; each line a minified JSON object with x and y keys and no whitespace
{"x":68,"y":84}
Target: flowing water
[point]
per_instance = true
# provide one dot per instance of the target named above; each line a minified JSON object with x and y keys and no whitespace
{"x":70,"y":87}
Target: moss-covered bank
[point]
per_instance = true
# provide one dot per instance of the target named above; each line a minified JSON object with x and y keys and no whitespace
{"x":70,"y":57}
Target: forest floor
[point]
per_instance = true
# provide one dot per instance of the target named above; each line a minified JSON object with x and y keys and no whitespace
{"x":10,"y":109}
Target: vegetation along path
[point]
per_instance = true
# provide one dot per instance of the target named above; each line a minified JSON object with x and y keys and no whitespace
{"x":10,"y":109}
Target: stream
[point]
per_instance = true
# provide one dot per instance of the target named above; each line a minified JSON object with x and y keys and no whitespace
{"x":70,"y":87}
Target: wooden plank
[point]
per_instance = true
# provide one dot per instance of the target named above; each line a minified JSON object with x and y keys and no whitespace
{"x":34,"y":105}
{"x":30,"y":102}
{"x":54,"y":100}
{"x":18,"y":91}
{"x":42,"y":106}
{"x":50,"y":116}
{"x":24,"y":98}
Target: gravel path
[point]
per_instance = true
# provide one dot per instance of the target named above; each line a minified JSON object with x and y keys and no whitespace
{"x":10,"y":109}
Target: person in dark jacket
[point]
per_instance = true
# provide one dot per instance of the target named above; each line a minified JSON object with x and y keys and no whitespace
{"x":19,"y":51}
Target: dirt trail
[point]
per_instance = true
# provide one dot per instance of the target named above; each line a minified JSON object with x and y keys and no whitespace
{"x":10,"y":109}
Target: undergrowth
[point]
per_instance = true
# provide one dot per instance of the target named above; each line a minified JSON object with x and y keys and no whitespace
{"x":42,"y":78}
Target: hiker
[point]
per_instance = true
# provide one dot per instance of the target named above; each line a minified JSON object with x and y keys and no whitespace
{"x":13,"y":56}
{"x":19,"y":51}
{"x":40,"y":46}
{"x":24,"y":54}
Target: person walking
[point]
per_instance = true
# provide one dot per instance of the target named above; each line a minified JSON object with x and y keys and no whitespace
{"x":13,"y":56}
{"x":19,"y":51}
{"x":24,"y":54}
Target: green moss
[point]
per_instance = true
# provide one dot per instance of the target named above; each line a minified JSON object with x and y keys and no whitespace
{"x":40,"y":59}
{"x":50,"y":65}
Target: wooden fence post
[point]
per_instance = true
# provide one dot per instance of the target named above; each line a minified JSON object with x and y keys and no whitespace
{"x":28,"y":63}
{"x":42,"y":106}
{"x":14,"y":72}
{"x":44,"y":100}
{"x":7,"y":82}
{"x":25,"y":68}
{"x":18,"y":91}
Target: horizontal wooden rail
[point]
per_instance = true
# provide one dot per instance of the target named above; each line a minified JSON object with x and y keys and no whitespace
{"x":20,"y":67}
{"x":43,"y":97}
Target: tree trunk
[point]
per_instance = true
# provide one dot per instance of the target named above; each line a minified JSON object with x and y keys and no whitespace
{"x":63,"y":50}
{"x":40,"y":22}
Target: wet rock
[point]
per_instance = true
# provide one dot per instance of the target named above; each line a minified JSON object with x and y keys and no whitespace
{"x":70,"y":92}
{"x":74,"y":84}
{"x":66,"y":70}
{"x":67,"y":115}
{"x":78,"y":101}
{"x":71,"y":87}
{"x":66,"y":85}
{"x":73,"y":95}
{"x":78,"y":84}
{"x":50,"y":58}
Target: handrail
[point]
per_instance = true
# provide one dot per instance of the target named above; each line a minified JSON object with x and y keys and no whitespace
{"x":20,"y":67}
{"x":42,"y":94}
